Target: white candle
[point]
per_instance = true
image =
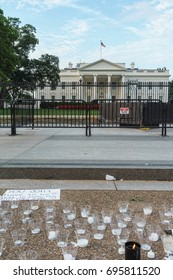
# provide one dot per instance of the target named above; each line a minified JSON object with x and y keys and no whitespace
{"x":34,"y":207}
{"x":83,"y":242}
{"x":121,"y":250}
{"x":122,"y":225}
{"x":151,"y":254}
{"x":84,"y":213}
{"x":19,"y":242}
{"x":101,"y":227}
{"x":14,"y":206}
{"x":116,"y":231}
{"x":71,"y":216}
{"x":61,"y":244}
{"x":35,"y":230}
{"x":147,"y":211}
{"x":52,"y":235}
{"x":153,"y":236}
{"x":98,"y":236}
{"x":80,"y":231}
{"x":90,"y":220}
{"x":68,"y":257}
{"x":27,"y":212}
{"x":141,"y":224}
{"x":107,"y":220}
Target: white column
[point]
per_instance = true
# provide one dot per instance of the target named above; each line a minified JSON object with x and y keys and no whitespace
{"x":109,"y":87}
{"x":123,"y":88}
{"x":95,"y":86}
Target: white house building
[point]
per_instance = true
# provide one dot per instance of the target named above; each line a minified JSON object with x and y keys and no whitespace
{"x":107,"y":80}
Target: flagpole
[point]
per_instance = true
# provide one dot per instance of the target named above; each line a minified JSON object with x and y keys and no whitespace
{"x":100,"y":50}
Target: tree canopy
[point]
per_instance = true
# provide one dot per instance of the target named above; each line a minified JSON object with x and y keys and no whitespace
{"x":16,"y":66}
{"x":8,"y":56}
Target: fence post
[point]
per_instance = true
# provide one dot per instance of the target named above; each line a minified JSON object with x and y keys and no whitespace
{"x":88,"y":120}
{"x":13,"y":118}
{"x":164,"y":117}
{"x":33,"y":114}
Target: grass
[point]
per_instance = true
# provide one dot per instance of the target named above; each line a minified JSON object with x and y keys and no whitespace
{"x":48,"y":112}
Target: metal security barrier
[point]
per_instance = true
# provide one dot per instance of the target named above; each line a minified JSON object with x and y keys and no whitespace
{"x":5,"y":113}
{"x":168,"y":117}
{"x":99,"y":113}
{"x":127,"y":113}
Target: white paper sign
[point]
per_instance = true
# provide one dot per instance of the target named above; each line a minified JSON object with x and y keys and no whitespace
{"x":124,"y":111}
{"x":40,"y":194}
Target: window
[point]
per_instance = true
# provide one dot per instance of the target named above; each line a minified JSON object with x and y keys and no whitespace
{"x":139,"y":97}
{"x":73,"y":97}
{"x":53,"y":97}
{"x":63,"y":97}
{"x":63,"y":85}
{"x":150,"y":85}
{"x":139,"y":85}
{"x":161,"y":85}
{"x":161,"y":97}
{"x":128,"y":96}
{"x":114,"y":84}
{"x":113,"y":97}
{"x":149,"y":97}
{"x":73,"y":85}
{"x":42,"y":97}
{"x":101,"y":84}
{"x":88,"y":85}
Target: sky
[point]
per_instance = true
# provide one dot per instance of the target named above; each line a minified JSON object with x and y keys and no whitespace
{"x":132,"y":30}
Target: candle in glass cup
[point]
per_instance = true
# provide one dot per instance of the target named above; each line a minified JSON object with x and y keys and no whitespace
{"x":147,"y":209}
{"x":132,"y":250}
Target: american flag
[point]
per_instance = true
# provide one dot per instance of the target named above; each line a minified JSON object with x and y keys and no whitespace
{"x":102,"y":45}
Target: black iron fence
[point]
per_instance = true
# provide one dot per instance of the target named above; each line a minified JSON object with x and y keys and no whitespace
{"x":85,"y":105}
{"x":99,"y":113}
{"x":115,"y":90}
{"x":87,"y":91}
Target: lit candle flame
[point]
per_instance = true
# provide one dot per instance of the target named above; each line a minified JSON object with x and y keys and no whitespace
{"x":134,"y":246}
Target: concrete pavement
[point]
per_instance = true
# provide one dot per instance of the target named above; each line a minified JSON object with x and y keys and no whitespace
{"x":86,"y":185}
{"x":67,"y":154}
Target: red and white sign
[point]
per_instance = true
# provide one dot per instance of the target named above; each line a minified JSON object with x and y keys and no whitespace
{"x":124,"y":111}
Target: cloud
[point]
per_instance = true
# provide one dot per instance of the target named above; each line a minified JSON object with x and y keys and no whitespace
{"x":46,"y":3}
{"x":164,"y":4}
{"x":76,"y":27}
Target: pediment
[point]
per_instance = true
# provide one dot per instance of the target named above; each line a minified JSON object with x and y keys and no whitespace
{"x":102,"y":64}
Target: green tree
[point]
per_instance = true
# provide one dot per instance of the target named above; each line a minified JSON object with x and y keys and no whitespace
{"x":8,"y":56}
{"x":46,"y":70}
{"x":170,"y":92}
{"x":22,"y":73}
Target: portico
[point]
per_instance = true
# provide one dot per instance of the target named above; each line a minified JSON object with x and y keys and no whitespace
{"x":104,"y":79}
{"x":101,"y":79}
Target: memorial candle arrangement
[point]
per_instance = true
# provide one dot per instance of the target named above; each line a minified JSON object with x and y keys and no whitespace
{"x":132,"y":250}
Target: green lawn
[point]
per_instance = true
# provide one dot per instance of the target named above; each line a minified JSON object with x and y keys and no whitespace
{"x":47,"y":112}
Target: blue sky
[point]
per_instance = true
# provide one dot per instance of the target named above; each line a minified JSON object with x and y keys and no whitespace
{"x":132,"y":30}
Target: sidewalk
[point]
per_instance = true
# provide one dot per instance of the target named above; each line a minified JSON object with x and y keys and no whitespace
{"x":67,"y":154}
{"x":86,"y":185}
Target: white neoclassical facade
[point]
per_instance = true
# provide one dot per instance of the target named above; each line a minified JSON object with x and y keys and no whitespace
{"x":108,"y":80}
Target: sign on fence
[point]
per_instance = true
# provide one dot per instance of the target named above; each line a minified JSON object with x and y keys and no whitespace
{"x":124,"y":111}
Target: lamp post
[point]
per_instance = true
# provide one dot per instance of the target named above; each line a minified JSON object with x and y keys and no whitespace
{"x":81,"y":91}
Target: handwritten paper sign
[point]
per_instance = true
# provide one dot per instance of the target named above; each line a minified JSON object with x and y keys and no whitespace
{"x":39,"y":194}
